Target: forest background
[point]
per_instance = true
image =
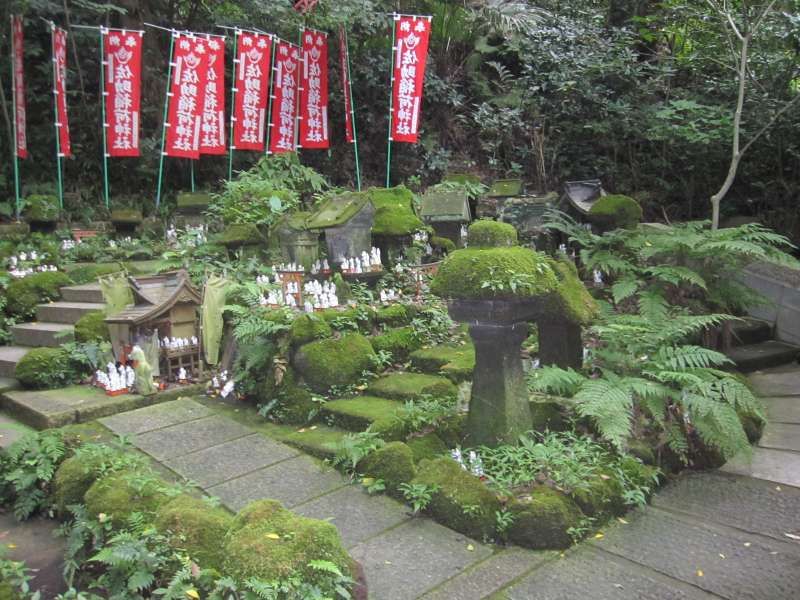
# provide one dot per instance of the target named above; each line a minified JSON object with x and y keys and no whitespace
{"x":638,"y":93}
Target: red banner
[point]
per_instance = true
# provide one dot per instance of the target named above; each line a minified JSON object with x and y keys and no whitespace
{"x":187,"y":91}
{"x":410,"y":56}
{"x":285,"y":79}
{"x":60,"y":90}
{"x":314,"y":91}
{"x":344,"y":65}
{"x":252,"y":88}
{"x":123,"y":65}
{"x":212,"y":128}
{"x":17,"y":39}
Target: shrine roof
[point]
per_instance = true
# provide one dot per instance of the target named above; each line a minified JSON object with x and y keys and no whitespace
{"x":339,"y":210}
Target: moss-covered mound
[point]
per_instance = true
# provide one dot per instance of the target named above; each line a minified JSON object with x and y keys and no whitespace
{"x":120,"y":495}
{"x":454,"y":362}
{"x":400,"y":342}
{"x":42,"y":208}
{"x":427,"y":447}
{"x":571,"y":299}
{"x":542,"y":518}
{"x":291,"y":401}
{"x":443,"y":244}
{"x":602,"y":496}
{"x":91,"y":273}
{"x":23,"y":295}
{"x":73,"y":479}
{"x":393,"y":463}
{"x":461,"y":500}
{"x":340,"y":361}
{"x":193,"y":202}
{"x":494,"y":273}
{"x":126,"y":216}
{"x":44,"y":368}
{"x":395,"y":315}
{"x":616,"y":211}
{"x":196,"y":527}
{"x":342,"y":320}
{"x":491,"y":234}
{"x":357,"y":414}
{"x":394,"y":211}
{"x":409,"y":386}
{"x":240,"y":234}
{"x":92,"y":327}
{"x":307,"y":328}
{"x":268,"y":542}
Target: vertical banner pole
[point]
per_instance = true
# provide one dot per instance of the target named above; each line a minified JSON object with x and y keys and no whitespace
{"x":391,"y":107}
{"x":164,"y":125}
{"x":271,"y":90}
{"x":191,"y":172}
{"x":353,"y":109}
{"x":299,"y":91}
{"x":103,"y":94}
{"x":14,"y":141}
{"x":55,"y":113}
{"x":233,"y":101}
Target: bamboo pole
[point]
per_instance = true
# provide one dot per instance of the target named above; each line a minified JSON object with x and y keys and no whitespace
{"x":55,"y":113}
{"x":353,"y":109}
{"x":233,"y":100}
{"x":17,"y":199}
{"x":172,"y":35}
{"x":103,"y":94}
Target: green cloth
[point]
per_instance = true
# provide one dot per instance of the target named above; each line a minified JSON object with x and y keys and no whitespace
{"x":213,"y":303}
{"x":116,"y":293}
{"x":152,"y":352}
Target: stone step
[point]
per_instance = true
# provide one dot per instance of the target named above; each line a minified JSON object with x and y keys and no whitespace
{"x":755,"y":357}
{"x":317,"y":440}
{"x":66,"y":312}
{"x":751,"y":331}
{"x":89,"y":292}
{"x":409,"y":386}
{"x":36,"y":334}
{"x":9,"y":357}
{"x":357,"y":414}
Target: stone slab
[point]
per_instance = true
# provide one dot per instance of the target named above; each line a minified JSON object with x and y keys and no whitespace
{"x":780,"y":466}
{"x":776,"y":383}
{"x":781,"y":436}
{"x":489,"y":576}
{"x":357,"y":515}
{"x":690,"y":552}
{"x":745,"y":503}
{"x":87,"y":292}
{"x":783,"y":410}
{"x":183,"y":438}
{"x":66,"y":312}
{"x":9,"y":357}
{"x":787,"y":326}
{"x":292,"y":482}
{"x":768,"y":287}
{"x":8,"y":384}
{"x":156,"y":416}
{"x":409,"y":560}
{"x":11,"y":430}
{"x":763,"y":355}
{"x":49,"y":335}
{"x":229,"y":460}
{"x":590,"y":574}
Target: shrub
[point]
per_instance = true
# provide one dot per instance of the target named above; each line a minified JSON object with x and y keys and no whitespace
{"x":44,"y":368}
{"x":400,"y":343}
{"x":394,"y":463}
{"x":291,"y":403}
{"x":461,"y":500}
{"x":91,"y":273}
{"x":543,"y":519}
{"x":394,"y":211}
{"x":491,"y":234}
{"x":240,"y":234}
{"x":42,"y":208}
{"x":92,"y":327}
{"x":616,"y":212}
{"x":442,"y":243}
{"x":23,"y":295}
{"x":334,"y":362}
{"x":307,"y":328}
{"x":119,"y":495}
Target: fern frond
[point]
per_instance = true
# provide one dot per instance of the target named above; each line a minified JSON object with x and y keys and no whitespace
{"x":653,"y":306}
{"x":609,"y":405}
{"x":554,"y":380}
{"x":682,"y":358}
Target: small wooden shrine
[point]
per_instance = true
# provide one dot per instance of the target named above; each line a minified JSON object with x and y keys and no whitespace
{"x":165,"y":306}
{"x":579,"y":196}
{"x":446,"y":210}
{"x":501,"y":189}
{"x":347,"y":220}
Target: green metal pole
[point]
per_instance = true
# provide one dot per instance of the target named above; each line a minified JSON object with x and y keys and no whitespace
{"x":191,"y":172}
{"x":297,"y":117}
{"x":164,"y":125}
{"x":271,"y":90}
{"x":353,"y":109}
{"x":233,"y":102}
{"x":55,"y":113}
{"x":14,"y":141}
{"x":105,"y":123}
{"x":391,"y":108}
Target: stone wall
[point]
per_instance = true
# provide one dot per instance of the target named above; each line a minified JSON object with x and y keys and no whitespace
{"x":781,"y":285}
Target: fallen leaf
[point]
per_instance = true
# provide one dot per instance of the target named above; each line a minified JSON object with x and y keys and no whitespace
{"x":792,"y":536}
{"x":387,"y":562}
{"x":313,"y":427}
{"x":599,"y":536}
{"x":747,"y":544}
{"x":777,"y":487}
{"x":273,"y":536}
{"x":12,"y":546}
{"x":561,"y":555}
{"x":604,"y":477}
{"x":621,"y":520}
{"x":699,"y":572}
{"x":470,"y":547}
{"x":301,"y":430}
{"x":721,"y":555}
{"x":368,"y":481}
{"x":773,"y":553}
{"x":619,"y":586}
{"x":193,"y":594}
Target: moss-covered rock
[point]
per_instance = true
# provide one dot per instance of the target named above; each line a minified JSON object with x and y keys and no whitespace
{"x":494,"y":273}
{"x":461,"y":500}
{"x":23,"y":295}
{"x":359,"y":413}
{"x":92,"y":327}
{"x":307,"y":328}
{"x":427,"y":447}
{"x":119,"y":495}
{"x":42,"y":208}
{"x":193,"y":202}
{"x":443,"y":244}
{"x":268,"y":542}
{"x":240,"y":234}
{"x":571,"y":298}
{"x":547,"y":414}
{"x":194,"y":526}
{"x":292,"y":402}
{"x":400,"y":342}
{"x":339,"y":361}
{"x":616,"y":211}
{"x":126,"y":216}
{"x":394,"y":463}
{"x":394,"y":212}
{"x":389,"y":429}
{"x":542,"y":519}
{"x":73,"y":479}
{"x":454,"y":362}
{"x":395,"y":315}
{"x":344,"y":320}
{"x":491,"y":234}
{"x":44,"y":368}
{"x":409,"y":386}
{"x":602,"y":496}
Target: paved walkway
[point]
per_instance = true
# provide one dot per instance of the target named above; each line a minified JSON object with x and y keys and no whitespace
{"x":730,"y":534}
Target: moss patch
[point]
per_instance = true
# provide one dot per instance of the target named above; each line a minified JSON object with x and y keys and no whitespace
{"x":408,"y":386}
{"x":24,"y":295}
{"x":442,"y":243}
{"x":126,"y":216}
{"x":394,"y":211}
{"x":400,"y":343}
{"x":541,"y":520}
{"x":193,"y":201}
{"x":427,"y":447}
{"x":454,"y":362}
{"x":91,"y":273}
{"x":320,"y":441}
{"x":461,"y":500}
{"x":603,"y":497}
{"x":616,"y":211}
{"x":121,"y":494}
{"x":572,"y":299}
{"x":92,"y":327}
{"x":357,"y":414}
{"x":341,"y":361}
{"x":394,"y":463}
{"x":395,"y":315}
{"x":491,"y":234}
{"x":307,"y":328}
{"x":73,"y":479}
{"x":240,"y":234}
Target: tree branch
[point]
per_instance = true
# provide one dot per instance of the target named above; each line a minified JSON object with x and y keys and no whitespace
{"x":771,"y":122}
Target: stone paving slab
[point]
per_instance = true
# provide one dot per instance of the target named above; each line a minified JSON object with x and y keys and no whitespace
{"x":745,"y":503}
{"x":11,"y":430}
{"x":156,"y":416}
{"x":779,"y":466}
{"x":409,"y":560}
{"x":781,"y":436}
{"x":692,"y":553}
{"x":356,"y":514}
{"x":229,"y":460}
{"x":783,"y":409}
{"x":490,"y":575}
{"x":177,"y":440}
{"x":776,"y":382}
{"x":587,"y":574}
{"x":292,"y":482}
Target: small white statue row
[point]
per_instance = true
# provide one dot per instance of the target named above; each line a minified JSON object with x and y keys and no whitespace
{"x":177,"y":343}
{"x":20,"y":273}
{"x":390,"y":295}
{"x":69,"y":244}
{"x":116,"y":378}
{"x":320,"y":267}
{"x":22,"y":257}
{"x":222,"y":384}
{"x":290,"y":268}
{"x":316,"y":288}
{"x":365,"y":263}
{"x":421,"y":236}
{"x":472,"y":462}
{"x":321,"y":301}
